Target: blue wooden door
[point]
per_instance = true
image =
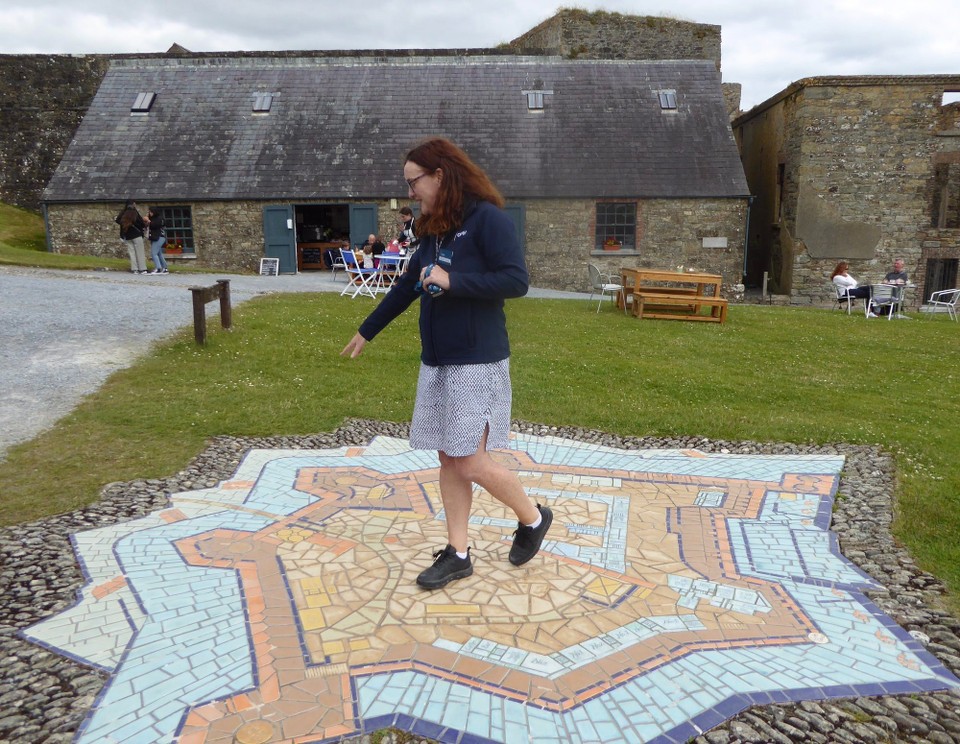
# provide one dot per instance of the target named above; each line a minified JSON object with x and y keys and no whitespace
{"x":279,"y":237}
{"x":363,"y":222}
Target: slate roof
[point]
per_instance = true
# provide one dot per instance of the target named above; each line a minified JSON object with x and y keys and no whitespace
{"x":338,"y":128}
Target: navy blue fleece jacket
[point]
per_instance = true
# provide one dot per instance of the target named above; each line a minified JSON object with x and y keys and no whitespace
{"x":466,"y":324}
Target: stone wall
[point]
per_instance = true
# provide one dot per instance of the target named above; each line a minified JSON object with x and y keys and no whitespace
{"x":670,"y":233}
{"x":559,"y":236}
{"x":227,"y":235}
{"x":583,"y":34}
{"x":42,"y":100}
{"x":856,"y":162}
{"x":867,"y":173}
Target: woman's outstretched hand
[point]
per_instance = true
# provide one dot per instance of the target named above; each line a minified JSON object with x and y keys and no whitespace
{"x":355,"y":347}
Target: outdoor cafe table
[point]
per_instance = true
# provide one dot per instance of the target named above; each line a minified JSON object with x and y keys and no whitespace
{"x":651,"y":297}
{"x":891,"y":298}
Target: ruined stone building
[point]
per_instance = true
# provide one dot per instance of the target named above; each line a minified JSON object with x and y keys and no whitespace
{"x":861,"y":169}
{"x":589,"y":132}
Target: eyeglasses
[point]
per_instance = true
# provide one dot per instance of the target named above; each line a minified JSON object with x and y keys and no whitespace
{"x":411,"y":181}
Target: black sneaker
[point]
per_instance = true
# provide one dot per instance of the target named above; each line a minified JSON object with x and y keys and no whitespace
{"x":527,"y":540}
{"x":447,"y":566}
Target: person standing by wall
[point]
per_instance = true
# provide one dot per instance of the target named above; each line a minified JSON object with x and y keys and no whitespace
{"x":158,"y":240}
{"x":468,"y":263}
{"x":131,"y":233}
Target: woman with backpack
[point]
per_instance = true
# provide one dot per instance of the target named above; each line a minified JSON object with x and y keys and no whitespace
{"x":131,"y":233}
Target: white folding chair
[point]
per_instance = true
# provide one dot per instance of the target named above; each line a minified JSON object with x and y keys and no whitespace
{"x":388,"y":270}
{"x":360,"y":280}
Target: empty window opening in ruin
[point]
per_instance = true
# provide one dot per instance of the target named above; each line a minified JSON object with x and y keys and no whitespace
{"x":946,"y":208}
{"x":781,"y":177}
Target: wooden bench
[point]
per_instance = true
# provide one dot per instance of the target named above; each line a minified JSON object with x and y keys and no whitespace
{"x":630,"y":291}
{"x":683,"y":306}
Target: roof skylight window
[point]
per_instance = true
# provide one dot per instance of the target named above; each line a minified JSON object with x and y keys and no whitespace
{"x":535,"y":98}
{"x":262,"y":103}
{"x":668,"y":99}
{"x":143,"y":103}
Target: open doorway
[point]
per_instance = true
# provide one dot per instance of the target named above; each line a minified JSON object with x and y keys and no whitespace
{"x":321,"y":228}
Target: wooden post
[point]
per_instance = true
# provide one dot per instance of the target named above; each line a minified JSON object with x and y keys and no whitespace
{"x":226,"y":314}
{"x":199,"y":316}
{"x":203,"y":295}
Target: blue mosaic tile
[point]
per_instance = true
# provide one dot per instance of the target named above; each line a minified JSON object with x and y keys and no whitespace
{"x":712,"y":578}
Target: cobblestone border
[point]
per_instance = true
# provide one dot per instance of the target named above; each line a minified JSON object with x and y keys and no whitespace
{"x":44,"y":697}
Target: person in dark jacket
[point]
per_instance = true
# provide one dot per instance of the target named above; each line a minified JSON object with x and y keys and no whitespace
{"x":408,"y":224}
{"x":158,"y":240}
{"x":131,"y":233}
{"x":469,"y":261}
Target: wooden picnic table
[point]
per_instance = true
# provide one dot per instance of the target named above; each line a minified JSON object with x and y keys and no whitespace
{"x":673,"y":295}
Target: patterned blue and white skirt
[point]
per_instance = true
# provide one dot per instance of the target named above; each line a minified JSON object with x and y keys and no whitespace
{"x":454,"y":404}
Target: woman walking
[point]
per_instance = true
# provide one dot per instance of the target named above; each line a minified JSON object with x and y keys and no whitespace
{"x":469,"y":261}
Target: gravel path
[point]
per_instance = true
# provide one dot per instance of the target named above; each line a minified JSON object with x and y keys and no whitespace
{"x":67,"y":331}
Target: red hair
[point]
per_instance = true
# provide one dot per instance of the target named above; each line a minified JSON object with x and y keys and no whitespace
{"x":462,"y":180}
{"x":841,"y":268}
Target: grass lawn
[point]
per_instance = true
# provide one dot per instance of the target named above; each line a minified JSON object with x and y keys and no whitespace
{"x":770,"y":374}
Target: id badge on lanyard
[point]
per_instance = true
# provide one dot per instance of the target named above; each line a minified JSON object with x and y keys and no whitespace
{"x":444,"y":254}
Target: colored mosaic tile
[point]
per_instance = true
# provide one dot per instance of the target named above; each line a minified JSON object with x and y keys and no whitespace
{"x":674,"y":589}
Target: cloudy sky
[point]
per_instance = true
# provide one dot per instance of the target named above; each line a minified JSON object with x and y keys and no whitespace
{"x":766,"y":45}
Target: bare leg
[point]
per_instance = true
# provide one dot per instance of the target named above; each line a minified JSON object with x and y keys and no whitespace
{"x":457,"y":496}
{"x":457,"y":476}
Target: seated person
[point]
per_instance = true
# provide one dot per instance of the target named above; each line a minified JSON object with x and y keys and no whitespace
{"x":376,"y":245}
{"x":898,"y":275}
{"x":842,"y":280}
{"x":368,"y":255}
{"x":392,"y":247}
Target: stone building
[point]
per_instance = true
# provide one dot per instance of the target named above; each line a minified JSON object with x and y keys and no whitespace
{"x":274,"y":156}
{"x":862,"y":169}
{"x":579,"y":144}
